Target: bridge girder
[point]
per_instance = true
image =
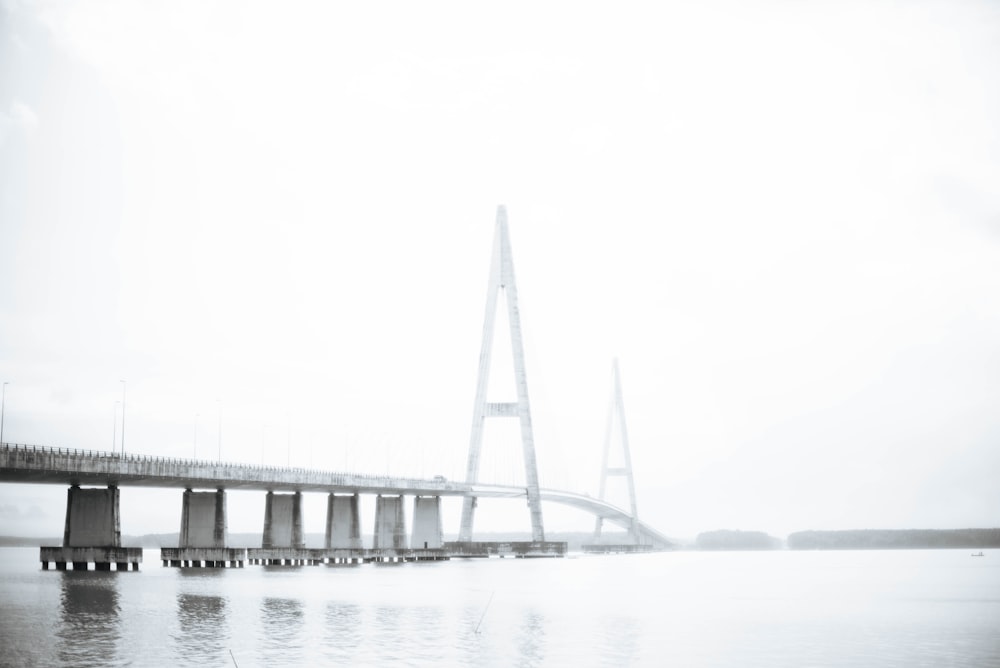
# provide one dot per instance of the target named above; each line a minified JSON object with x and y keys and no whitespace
{"x":63,"y":466}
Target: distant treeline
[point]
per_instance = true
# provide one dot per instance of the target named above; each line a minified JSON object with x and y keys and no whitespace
{"x":888,"y":539}
{"x":736,"y":540}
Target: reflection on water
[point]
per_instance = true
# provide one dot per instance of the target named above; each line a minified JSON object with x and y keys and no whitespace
{"x":203,"y":629}
{"x":343,"y":629}
{"x":281,"y":631}
{"x":467,"y":637}
{"x":410,"y":636}
{"x":428,"y":625}
{"x":899,"y":608}
{"x":531,"y":640}
{"x":88,"y":631}
{"x":388,"y":636}
{"x":619,"y":639}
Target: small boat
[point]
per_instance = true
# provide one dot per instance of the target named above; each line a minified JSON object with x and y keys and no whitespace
{"x":979,"y":555}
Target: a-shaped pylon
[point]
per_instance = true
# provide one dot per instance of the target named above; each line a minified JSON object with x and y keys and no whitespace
{"x":502,"y":278}
{"x":617,"y":409}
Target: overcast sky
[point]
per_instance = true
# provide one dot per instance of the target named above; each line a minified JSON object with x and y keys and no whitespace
{"x":782,"y":217}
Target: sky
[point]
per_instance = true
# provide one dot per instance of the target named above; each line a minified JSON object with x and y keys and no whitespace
{"x":782,"y":218}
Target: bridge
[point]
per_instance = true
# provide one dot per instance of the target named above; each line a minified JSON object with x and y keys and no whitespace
{"x":66,"y":466}
{"x":105,"y":471}
{"x":95,"y":479}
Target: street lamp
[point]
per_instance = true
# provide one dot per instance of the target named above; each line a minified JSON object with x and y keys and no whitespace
{"x":3,"y":406}
{"x":220,"y":428}
{"x":124,"y":385}
{"x":196,"y":416}
{"x":114,"y":428}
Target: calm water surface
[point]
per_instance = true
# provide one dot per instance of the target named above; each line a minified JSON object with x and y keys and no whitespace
{"x":878,"y":608}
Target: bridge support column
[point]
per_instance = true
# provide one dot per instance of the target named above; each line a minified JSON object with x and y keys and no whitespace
{"x":283,"y":521}
{"x":283,"y":542}
{"x":203,"y":519}
{"x":343,"y":522}
{"x":92,"y":518}
{"x":390,"y":523}
{"x":427,"y":532}
{"x":92,"y":533}
{"x":204,"y":533}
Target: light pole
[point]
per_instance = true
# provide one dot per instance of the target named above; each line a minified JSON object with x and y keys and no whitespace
{"x":196,"y":416}
{"x":124,"y":385}
{"x":220,"y":428}
{"x":114,"y":428}
{"x":3,"y":406}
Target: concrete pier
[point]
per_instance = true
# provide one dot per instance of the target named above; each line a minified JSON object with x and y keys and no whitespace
{"x":427,"y":531}
{"x":92,"y":517}
{"x":339,"y":557}
{"x":343,"y":522}
{"x":203,"y":557}
{"x":601,"y":548}
{"x":517,"y":549}
{"x":80,"y":558}
{"x":283,"y":521}
{"x":92,"y":533}
{"x":204,"y":534}
{"x":391,"y":556}
{"x":390,"y":523}
{"x":203,"y":519}
{"x":284,"y":556}
{"x":283,"y":543}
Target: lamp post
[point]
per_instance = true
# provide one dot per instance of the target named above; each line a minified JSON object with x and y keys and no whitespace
{"x":196,"y":416}
{"x":114,"y":428}
{"x":220,"y":428}
{"x":3,"y":406}
{"x":124,"y":385}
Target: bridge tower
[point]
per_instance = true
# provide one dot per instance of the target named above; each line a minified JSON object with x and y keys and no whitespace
{"x":502,"y":278}
{"x":617,"y":410}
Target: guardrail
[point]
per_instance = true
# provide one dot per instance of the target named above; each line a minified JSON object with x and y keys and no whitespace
{"x":148,"y":459}
{"x":232,"y":469}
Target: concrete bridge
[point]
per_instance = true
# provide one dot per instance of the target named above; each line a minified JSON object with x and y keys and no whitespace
{"x":93,"y":534}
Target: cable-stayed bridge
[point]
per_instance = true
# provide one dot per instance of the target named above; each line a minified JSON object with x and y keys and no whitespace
{"x":93,"y":533}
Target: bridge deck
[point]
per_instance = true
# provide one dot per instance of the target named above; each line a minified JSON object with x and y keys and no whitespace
{"x":38,"y":464}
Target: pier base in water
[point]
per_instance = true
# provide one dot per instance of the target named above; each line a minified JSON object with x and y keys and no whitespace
{"x":285,"y":556}
{"x":124,"y":558}
{"x":616,"y":549}
{"x":517,"y":549}
{"x":203,"y":557}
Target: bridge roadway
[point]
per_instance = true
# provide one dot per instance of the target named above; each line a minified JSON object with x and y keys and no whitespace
{"x":66,"y":466}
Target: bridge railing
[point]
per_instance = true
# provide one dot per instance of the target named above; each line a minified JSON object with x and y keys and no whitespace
{"x":149,"y":459}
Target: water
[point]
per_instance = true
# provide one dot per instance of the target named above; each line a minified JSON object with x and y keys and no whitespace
{"x":888,"y":608}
